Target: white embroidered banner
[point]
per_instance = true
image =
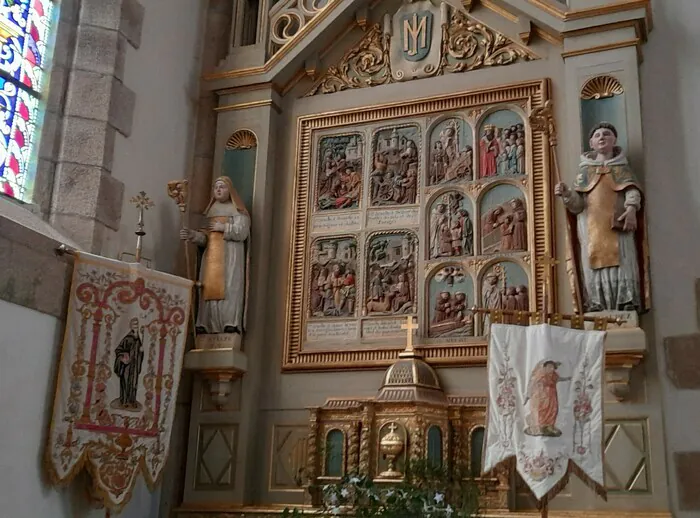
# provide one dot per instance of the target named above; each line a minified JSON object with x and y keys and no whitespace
{"x":546,"y":405}
{"x":118,"y":377}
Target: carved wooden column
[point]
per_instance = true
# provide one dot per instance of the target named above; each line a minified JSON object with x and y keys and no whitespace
{"x":251,"y":116}
{"x":354,"y":447}
{"x":601,"y":83}
{"x":312,"y":467}
{"x":457,"y":426}
{"x":366,"y":434}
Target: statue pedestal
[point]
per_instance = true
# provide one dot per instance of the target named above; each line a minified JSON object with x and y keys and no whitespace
{"x":625,"y":348}
{"x":220,"y":361}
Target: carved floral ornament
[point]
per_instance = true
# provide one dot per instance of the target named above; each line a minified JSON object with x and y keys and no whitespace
{"x":464,"y":45}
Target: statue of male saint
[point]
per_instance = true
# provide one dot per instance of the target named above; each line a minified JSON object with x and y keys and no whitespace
{"x":127,"y":365}
{"x":223,"y":272}
{"x":609,"y":231}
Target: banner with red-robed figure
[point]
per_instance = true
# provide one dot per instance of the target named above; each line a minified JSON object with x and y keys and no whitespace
{"x":118,"y":378}
{"x":546,"y":405}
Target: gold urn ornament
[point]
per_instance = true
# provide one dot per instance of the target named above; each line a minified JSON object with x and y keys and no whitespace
{"x":391,"y":447}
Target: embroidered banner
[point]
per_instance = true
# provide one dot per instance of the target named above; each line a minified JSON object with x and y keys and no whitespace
{"x":118,"y":377}
{"x":546,"y":405}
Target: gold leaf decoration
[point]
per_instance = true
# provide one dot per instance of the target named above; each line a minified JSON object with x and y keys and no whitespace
{"x":466,"y":45}
{"x":289,"y":18}
{"x":242,"y":139}
{"x":366,"y":64}
{"x":601,"y":87}
{"x":472,"y":45}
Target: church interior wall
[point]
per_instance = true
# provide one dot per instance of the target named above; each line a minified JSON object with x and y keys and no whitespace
{"x":155,"y":78}
{"x":29,"y":353}
{"x":292,"y":392}
{"x":669,"y":86}
{"x":163,"y":73}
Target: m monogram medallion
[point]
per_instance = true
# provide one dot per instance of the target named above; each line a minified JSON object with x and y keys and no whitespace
{"x":415,"y":39}
{"x":416,"y":32}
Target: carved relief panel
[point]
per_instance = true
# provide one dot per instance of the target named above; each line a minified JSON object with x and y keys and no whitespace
{"x":426,"y":208}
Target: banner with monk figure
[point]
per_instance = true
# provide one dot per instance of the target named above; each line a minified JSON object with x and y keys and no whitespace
{"x":118,"y":378}
{"x":546,"y":405}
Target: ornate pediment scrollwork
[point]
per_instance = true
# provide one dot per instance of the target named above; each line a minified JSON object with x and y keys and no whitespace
{"x":465,"y":45}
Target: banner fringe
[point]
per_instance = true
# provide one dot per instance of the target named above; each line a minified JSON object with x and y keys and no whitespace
{"x":563,"y":482}
{"x":509,"y":463}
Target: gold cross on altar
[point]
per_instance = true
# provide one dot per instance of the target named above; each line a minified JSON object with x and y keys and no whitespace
{"x":409,"y":326}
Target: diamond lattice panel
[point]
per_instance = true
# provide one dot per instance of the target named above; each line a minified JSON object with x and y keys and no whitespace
{"x":626,"y":456}
{"x":215,"y":456}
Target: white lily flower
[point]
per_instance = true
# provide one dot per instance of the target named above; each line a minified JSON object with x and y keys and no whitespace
{"x":439,"y":498}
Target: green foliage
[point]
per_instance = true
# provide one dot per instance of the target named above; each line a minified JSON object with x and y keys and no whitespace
{"x":428,"y":491}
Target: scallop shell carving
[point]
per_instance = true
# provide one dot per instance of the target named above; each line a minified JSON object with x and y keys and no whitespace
{"x":242,"y":139}
{"x":601,"y":87}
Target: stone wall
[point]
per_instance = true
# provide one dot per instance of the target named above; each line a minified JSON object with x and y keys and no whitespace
{"x":670,"y":114}
{"x":120,"y":110}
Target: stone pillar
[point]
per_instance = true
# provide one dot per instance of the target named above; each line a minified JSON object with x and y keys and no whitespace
{"x":634,"y":434}
{"x":90,"y":51}
{"x":682,"y":355}
{"x":256,"y":111}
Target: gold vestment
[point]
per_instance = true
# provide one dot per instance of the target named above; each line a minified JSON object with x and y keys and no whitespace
{"x":603,"y":245}
{"x":214,"y":263}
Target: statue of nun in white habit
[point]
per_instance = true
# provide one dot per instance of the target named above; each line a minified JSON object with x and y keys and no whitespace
{"x":224,"y":263}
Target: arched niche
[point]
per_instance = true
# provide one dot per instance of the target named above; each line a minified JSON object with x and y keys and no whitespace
{"x":450,"y":224}
{"x":504,"y":284}
{"x":396,"y":152}
{"x":502,"y":149}
{"x":390,"y":277}
{"x":450,"y":151}
{"x":240,"y":158}
{"x":450,"y":295}
{"x":503,"y":213}
{"x":333,"y":264}
{"x":434,"y":447}
{"x":340,"y":172}
{"x":603,"y":100}
{"x":476,"y":449}
{"x":334,"y":454}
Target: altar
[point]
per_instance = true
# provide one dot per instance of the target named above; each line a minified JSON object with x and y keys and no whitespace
{"x":415,"y":159}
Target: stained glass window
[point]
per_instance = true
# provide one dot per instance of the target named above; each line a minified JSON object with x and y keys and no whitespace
{"x":25,"y":27}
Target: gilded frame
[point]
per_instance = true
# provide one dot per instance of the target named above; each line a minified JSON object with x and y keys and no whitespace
{"x":524,"y":96}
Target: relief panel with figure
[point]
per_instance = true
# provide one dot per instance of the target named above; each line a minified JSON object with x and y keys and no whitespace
{"x":391,"y":273}
{"x":451,"y":156}
{"x":503,"y":220}
{"x":450,"y":297}
{"x":451,"y":227}
{"x":332,"y":289}
{"x":425,"y":208}
{"x":339,"y":174}
{"x":505,"y":285}
{"x":394,"y":177}
{"x":502,"y":144}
